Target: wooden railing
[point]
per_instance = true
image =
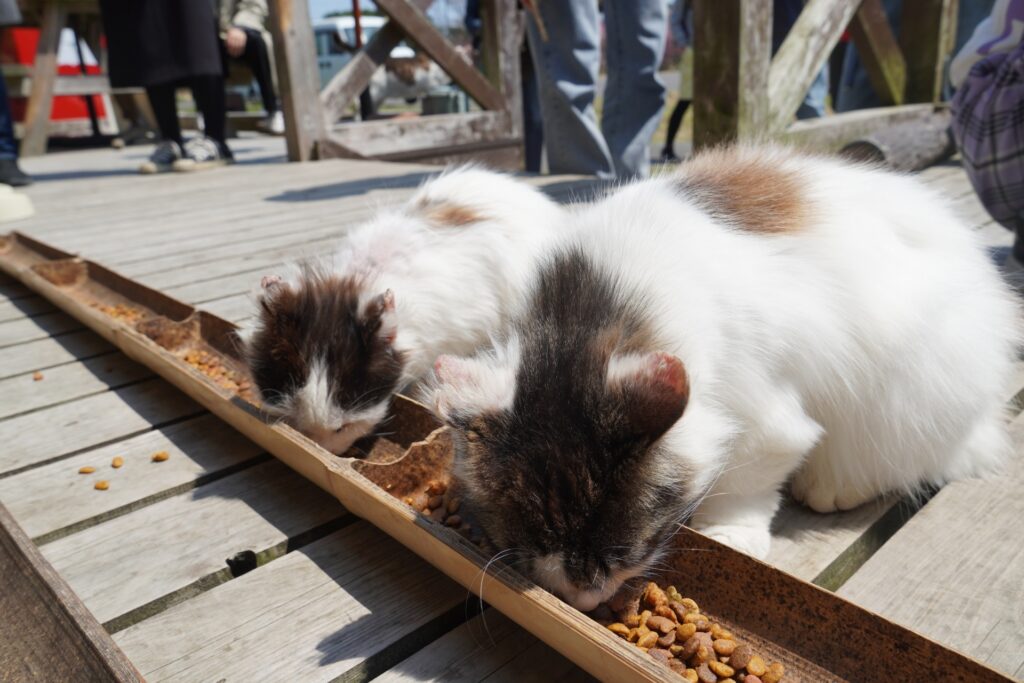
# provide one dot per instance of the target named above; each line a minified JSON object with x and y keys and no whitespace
{"x":311,"y":116}
{"x":741,"y":92}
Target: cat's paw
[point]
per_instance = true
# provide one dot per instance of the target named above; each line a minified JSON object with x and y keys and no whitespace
{"x":823,"y":494}
{"x":754,"y":541}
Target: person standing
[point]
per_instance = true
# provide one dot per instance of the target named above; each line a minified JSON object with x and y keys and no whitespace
{"x":565,"y":41}
{"x":162,"y":45}
{"x":10,"y":173}
{"x":245,"y":38}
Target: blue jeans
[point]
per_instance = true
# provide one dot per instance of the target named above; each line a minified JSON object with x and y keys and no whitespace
{"x":8,"y":145}
{"x":567,"y":70}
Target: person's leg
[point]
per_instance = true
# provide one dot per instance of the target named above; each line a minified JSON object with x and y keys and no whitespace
{"x":165,"y":110}
{"x":10,"y":173}
{"x":257,"y":58}
{"x":208,"y":92}
{"x":634,"y":95}
{"x":813,"y":105}
{"x":533,"y":130}
{"x":675,"y":120}
{"x":567,"y":64}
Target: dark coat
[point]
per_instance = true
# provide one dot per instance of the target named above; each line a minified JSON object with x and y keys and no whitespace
{"x":152,"y":42}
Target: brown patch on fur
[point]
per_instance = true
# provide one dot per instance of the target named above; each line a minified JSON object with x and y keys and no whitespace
{"x":752,"y":190}
{"x":405,"y":68}
{"x":452,"y":215}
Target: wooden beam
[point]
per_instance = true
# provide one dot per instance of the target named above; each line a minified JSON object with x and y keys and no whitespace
{"x":879,"y":52}
{"x":412,"y":20}
{"x":82,"y":85}
{"x":803,"y":53}
{"x":505,"y":25}
{"x":832,"y":133}
{"x":46,"y":633}
{"x":732,"y":55}
{"x":44,"y":76}
{"x":396,"y":138}
{"x":295,"y":55}
{"x":910,"y":146}
{"x":346,"y":85}
{"x":927,"y":36}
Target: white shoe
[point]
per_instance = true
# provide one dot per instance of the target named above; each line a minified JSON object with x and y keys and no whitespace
{"x":201,"y":153}
{"x":162,"y":159}
{"x":273,"y":124}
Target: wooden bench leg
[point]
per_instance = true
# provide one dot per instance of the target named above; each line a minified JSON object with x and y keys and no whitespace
{"x":44,"y":75}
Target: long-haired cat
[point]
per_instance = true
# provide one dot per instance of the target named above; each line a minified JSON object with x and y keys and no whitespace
{"x":336,"y":337}
{"x":700,"y":338}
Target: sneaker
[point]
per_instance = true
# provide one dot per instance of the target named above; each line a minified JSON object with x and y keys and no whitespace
{"x":11,"y":174}
{"x":273,"y":124}
{"x":202,"y":153}
{"x":163,"y":158}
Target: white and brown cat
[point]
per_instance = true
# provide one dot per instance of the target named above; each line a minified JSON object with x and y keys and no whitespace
{"x":697,"y":340}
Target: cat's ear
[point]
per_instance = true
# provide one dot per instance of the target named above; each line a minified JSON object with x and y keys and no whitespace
{"x":380,"y":321}
{"x":271,"y":286}
{"x":651,"y":389}
{"x":466,"y":387}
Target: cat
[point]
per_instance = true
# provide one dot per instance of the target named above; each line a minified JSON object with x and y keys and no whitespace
{"x":697,"y":340}
{"x":335,"y":337}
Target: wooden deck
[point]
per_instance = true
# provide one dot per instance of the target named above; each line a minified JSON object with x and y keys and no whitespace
{"x":332,"y":598}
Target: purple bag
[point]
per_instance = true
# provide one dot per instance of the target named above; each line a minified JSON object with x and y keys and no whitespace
{"x":988,"y":124}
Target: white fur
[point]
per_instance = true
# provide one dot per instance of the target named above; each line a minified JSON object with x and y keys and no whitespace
{"x":869,"y":351}
{"x":453,"y":286}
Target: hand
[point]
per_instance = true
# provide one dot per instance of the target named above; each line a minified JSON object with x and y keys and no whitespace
{"x":235,"y":41}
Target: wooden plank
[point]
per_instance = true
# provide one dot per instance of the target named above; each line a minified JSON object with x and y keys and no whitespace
{"x":46,"y":633}
{"x":54,"y":432}
{"x":295,"y":56}
{"x":831,"y":133}
{"x":489,"y":647}
{"x":44,"y":74}
{"x":414,"y":22}
{"x":927,"y":36}
{"x":82,"y":85}
{"x":130,"y":562}
{"x":732,"y":57}
{"x":396,"y":138}
{"x":955,"y":571}
{"x":24,"y":393}
{"x":27,"y":306}
{"x":802,"y":54}
{"x":326,"y":609}
{"x":45,"y":353}
{"x":879,"y":52}
{"x":55,"y":500}
{"x":40,"y":327}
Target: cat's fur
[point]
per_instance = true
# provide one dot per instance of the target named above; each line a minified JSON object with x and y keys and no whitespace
{"x":334,"y":338}
{"x":806,"y":318}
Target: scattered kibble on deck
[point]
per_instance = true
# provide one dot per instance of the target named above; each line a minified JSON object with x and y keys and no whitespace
{"x":160,"y":456}
{"x":86,"y":470}
{"x":37,"y":376}
{"x":101,"y":485}
{"x":117,"y":462}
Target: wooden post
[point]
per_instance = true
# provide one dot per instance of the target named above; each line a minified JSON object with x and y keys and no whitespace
{"x":295,"y":55}
{"x":732,"y":56}
{"x":502,"y":40}
{"x":44,"y":76}
{"x":927,"y":36}
{"x":879,"y":52}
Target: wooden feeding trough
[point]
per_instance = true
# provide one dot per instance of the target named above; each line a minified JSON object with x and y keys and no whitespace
{"x":814,"y":634}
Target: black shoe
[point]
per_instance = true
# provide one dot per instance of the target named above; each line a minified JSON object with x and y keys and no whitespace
{"x":11,"y":175}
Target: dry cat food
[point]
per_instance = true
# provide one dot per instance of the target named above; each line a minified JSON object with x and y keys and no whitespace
{"x":442,"y":504}
{"x":86,"y":470}
{"x":101,"y":485}
{"x":37,"y":376}
{"x":121,"y":312}
{"x":672,"y":630}
{"x":160,"y":456}
{"x":117,"y":462}
{"x":211,"y":366}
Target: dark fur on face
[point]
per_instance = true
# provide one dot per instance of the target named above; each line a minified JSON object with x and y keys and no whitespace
{"x":568,"y":468}
{"x":318,"y":321}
